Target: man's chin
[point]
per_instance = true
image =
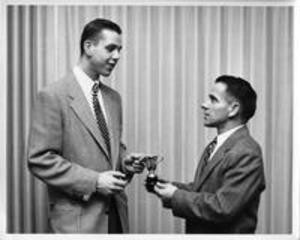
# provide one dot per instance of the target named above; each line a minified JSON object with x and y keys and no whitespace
{"x":209,"y":125}
{"x":106,"y":74}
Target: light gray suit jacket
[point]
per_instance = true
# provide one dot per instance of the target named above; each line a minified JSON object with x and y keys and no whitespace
{"x":67,"y":151}
{"x":224,"y":197}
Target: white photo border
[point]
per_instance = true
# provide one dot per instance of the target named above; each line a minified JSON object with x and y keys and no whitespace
{"x":296,"y":117}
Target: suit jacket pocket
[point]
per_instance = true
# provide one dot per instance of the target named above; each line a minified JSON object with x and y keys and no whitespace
{"x":64,"y":218}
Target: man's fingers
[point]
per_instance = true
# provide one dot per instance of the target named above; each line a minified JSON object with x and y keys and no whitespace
{"x":138,"y":168}
{"x":118,"y":174}
{"x":116,"y":186}
{"x":129,"y":159}
{"x":119,"y":183}
{"x":162,"y":180}
{"x":138,"y":164}
{"x":161,"y":184}
{"x":136,"y":155}
{"x":117,"y":189}
{"x":157,"y":191}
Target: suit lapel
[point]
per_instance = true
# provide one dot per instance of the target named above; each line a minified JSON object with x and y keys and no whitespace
{"x":200,"y":167}
{"x":203,"y":175}
{"x":200,"y":177}
{"x":82,"y":109}
{"x":112,"y":122}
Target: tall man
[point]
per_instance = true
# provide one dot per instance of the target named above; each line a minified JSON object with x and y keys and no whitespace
{"x":75,"y":141}
{"x":225,"y":193}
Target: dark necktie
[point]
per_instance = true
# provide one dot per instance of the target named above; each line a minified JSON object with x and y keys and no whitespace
{"x":208,"y":151}
{"x":100,"y":116}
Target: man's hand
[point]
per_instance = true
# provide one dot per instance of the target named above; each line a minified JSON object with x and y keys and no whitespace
{"x":110,"y":182}
{"x":164,"y":190}
{"x":133,"y":163}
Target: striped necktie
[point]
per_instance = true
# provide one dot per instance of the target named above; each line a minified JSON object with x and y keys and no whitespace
{"x":99,"y":115}
{"x":209,"y":149}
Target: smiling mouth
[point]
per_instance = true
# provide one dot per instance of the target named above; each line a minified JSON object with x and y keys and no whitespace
{"x":110,"y":66}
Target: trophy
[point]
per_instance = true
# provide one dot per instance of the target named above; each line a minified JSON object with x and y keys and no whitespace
{"x":151,"y":164}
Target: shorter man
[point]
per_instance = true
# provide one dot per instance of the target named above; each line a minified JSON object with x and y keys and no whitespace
{"x":225,"y":193}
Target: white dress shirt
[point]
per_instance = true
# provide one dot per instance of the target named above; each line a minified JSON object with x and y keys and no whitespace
{"x":223,"y":137}
{"x":86,"y":84}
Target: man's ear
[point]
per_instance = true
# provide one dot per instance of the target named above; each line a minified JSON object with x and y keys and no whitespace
{"x":87,"y":45}
{"x":234,"y":109}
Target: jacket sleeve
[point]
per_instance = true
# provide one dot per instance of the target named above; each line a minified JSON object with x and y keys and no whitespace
{"x":45,"y":158}
{"x":243,"y":180}
{"x":183,"y":186}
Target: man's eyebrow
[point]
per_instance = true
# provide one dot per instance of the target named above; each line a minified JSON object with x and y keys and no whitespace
{"x":114,"y":46}
{"x":211,"y":96}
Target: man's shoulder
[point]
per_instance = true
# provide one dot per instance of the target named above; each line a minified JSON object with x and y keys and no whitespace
{"x":244,"y":142}
{"x":249,"y":142}
{"x":244,"y":150}
{"x":112,"y":92}
{"x":60,"y":86}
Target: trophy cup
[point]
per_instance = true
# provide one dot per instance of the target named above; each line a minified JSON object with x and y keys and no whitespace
{"x":151,"y":164}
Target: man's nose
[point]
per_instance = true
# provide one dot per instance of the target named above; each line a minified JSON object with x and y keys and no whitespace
{"x":116,"y":55}
{"x":204,"y":106}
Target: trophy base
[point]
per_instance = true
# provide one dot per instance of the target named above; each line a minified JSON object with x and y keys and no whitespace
{"x":151,"y":180}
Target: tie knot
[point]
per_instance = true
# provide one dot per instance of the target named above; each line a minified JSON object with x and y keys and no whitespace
{"x":214,"y":141}
{"x":95,"y":88}
{"x":212,"y":145}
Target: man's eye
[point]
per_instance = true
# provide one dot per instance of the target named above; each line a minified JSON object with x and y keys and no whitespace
{"x":110,"y":48}
{"x":213,"y":100}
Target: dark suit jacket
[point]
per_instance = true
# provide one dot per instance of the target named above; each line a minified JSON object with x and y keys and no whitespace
{"x":224,"y":198}
{"x":67,"y":152}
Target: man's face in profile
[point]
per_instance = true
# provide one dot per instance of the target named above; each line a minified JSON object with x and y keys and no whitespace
{"x":217,"y":108}
{"x":106,"y":52}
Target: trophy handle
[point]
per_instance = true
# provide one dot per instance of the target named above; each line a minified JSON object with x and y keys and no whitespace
{"x":159,"y":159}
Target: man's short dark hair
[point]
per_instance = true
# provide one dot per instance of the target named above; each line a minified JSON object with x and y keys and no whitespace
{"x":242,"y":91}
{"x":92,"y":29}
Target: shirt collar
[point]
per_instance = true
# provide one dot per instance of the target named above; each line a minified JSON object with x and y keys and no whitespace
{"x":86,"y":84}
{"x":223,"y":137}
{"x":83,"y":79}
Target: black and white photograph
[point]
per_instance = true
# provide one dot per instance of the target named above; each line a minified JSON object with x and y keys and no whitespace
{"x":163,"y":118}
